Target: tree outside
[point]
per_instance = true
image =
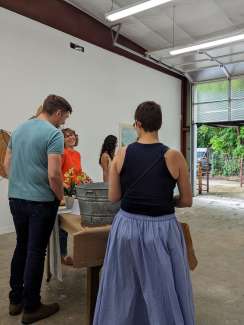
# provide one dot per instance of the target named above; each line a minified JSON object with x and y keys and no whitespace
{"x":227,"y":146}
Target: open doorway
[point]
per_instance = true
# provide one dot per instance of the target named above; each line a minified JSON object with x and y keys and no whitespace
{"x":218,"y":150}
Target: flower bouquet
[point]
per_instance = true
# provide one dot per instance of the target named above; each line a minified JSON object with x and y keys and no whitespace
{"x":72,"y":179}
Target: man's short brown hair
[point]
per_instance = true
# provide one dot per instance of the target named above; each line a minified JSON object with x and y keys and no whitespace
{"x":150,"y":115}
{"x":53,"y":103}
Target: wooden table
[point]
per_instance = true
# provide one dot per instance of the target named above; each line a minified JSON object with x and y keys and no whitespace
{"x":89,"y":246}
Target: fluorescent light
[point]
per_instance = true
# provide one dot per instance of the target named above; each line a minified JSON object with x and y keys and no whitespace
{"x":133,"y":9}
{"x":207,"y":45}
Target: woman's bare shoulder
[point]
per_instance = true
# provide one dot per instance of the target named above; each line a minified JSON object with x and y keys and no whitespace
{"x":175,"y":162}
{"x":174,"y":154}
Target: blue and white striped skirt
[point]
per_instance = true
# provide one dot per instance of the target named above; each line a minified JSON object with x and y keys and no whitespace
{"x":145,"y":278}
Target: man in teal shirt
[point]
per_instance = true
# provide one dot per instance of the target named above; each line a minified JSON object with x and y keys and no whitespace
{"x":33,"y":166}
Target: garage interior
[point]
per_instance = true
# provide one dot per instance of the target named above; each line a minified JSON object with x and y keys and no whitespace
{"x":145,"y":41}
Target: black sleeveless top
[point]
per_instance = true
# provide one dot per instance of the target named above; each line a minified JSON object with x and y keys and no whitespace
{"x":152,"y":195}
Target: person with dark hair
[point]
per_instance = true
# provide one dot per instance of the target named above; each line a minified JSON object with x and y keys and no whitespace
{"x":33,"y":166}
{"x":150,"y":116}
{"x":107,"y":154}
{"x":71,"y":159}
{"x":145,"y":278}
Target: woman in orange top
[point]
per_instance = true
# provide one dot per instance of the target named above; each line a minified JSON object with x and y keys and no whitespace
{"x":70,"y":159}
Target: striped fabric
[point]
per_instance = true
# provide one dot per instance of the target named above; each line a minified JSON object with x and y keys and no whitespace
{"x":145,"y":279}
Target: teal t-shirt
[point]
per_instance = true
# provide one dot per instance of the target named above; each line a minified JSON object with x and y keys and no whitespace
{"x":30,"y":145}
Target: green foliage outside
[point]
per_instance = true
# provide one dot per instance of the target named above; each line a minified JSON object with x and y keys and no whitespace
{"x":225,"y":166}
{"x":227,"y":146}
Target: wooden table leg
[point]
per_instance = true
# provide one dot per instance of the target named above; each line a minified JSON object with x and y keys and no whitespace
{"x":92,"y":291}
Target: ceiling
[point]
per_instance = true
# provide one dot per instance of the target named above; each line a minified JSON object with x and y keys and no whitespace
{"x":194,"y":21}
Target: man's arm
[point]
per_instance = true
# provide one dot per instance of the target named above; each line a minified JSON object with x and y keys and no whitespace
{"x":55,"y":175}
{"x":7,"y":161}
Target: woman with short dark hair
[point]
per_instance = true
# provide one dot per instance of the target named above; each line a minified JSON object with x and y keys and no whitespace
{"x":145,"y":277}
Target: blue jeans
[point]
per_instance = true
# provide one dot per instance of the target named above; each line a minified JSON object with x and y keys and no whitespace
{"x":33,"y":222}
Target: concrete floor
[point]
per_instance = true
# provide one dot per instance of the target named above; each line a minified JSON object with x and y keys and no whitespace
{"x":226,"y":187}
{"x":217,"y":226}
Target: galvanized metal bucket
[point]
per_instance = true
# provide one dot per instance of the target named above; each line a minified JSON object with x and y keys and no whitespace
{"x":95,"y":208}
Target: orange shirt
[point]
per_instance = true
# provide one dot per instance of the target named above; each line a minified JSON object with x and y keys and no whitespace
{"x":71,"y":159}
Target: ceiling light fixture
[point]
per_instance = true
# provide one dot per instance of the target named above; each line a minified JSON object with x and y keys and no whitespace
{"x":133,"y":9}
{"x":208,"y":45}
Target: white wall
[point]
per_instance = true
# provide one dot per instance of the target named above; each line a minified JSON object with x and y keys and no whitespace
{"x":103,"y":88}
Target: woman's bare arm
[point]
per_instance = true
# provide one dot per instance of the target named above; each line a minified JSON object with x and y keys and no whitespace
{"x":114,"y":193}
{"x":105,"y":162}
{"x":177,"y":166}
